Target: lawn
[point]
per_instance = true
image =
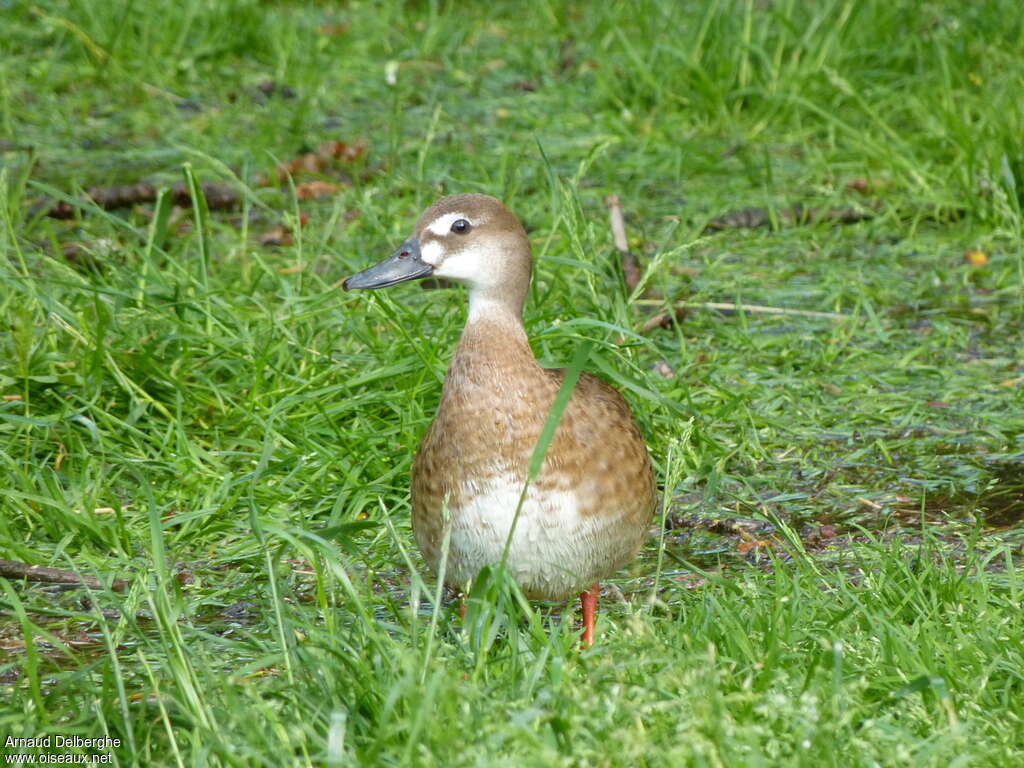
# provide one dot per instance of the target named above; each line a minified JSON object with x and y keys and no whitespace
{"x":825,"y":202}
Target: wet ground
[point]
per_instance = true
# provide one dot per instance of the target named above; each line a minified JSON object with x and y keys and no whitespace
{"x":700,"y":536}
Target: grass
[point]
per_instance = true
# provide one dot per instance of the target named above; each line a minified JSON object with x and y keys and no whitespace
{"x":837,"y":580}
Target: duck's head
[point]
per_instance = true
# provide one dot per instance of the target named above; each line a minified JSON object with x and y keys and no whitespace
{"x":469,"y":239}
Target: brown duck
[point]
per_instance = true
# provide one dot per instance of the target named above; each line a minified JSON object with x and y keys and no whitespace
{"x":587,"y":513}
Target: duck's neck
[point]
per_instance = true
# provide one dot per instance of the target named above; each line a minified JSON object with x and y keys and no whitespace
{"x":493,"y":347}
{"x":485,"y":305}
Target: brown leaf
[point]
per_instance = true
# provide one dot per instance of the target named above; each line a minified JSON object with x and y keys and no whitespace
{"x":663,"y":369}
{"x":277,"y":236}
{"x":332,"y":30}
{"x":271,"y":88}
{"x":663,"y":320}
{"x":866,"y":186}
{"x":746,"y":546}
{"x":61,"y":455}
{"x":312,"y":162}
{"x":319,"y":161}
{"x":314,"y":189}
{"x":340,"y":150}
{"x":60,"y":211}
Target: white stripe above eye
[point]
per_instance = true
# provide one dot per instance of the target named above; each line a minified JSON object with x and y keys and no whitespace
{"x":443,"y":224}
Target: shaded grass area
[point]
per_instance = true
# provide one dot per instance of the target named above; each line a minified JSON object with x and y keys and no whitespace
{"x":838,"y":580}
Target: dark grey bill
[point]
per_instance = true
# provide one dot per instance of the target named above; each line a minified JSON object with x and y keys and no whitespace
{"x":404,"y":264}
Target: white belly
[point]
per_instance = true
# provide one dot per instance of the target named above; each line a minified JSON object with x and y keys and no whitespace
{"x":554,"y":552}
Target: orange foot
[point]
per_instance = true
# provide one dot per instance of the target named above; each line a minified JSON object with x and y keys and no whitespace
{"x":588,"y":601}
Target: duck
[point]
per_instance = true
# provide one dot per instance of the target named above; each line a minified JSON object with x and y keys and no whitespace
{"x":588,"y":511}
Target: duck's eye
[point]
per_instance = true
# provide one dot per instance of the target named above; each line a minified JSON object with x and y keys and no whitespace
{"x":460,"y":226}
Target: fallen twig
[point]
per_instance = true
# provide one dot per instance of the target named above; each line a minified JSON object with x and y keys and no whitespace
{"x":630,"y":267}
{"x":757,"y":309}
{"x":219,"y":196}
{"x":663,"y":319}
{"x":752,"y":218}
{"x":12,"y":569}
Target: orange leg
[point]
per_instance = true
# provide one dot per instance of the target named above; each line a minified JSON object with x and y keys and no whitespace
{"x":588,"y":601}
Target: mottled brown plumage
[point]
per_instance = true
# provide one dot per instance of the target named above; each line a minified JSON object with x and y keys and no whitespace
{"x":493,"y":406}
{"x":587,"y":513}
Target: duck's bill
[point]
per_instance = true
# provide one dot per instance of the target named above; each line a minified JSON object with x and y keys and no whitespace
{"x":404,"y":264}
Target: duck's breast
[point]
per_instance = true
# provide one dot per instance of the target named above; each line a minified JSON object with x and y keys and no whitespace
{"x":583,"y":518}
{"x":556,"y":548}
